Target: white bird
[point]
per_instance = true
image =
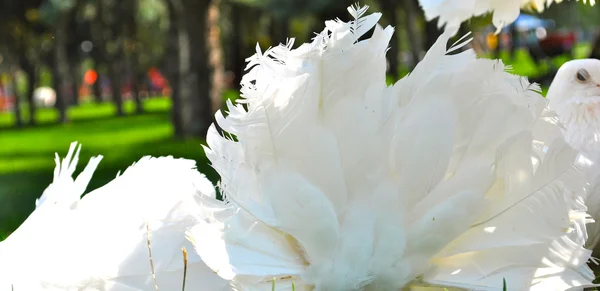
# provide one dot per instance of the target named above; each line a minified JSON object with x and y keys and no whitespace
{"x":100,"y":242}
{"x":575,"y":96}
{"x":333,"y":181}
{"x":452,"y":13}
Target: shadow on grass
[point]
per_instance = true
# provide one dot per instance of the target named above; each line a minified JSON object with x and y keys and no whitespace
{"x":19,"y":190}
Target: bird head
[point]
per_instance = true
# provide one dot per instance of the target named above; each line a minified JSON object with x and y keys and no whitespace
{"x":576,"y":84}
{"x":575,"y":97}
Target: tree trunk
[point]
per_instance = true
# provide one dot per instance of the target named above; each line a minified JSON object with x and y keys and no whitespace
{"x":135,"y":78}
{"x":97,"y":89}
{"x":237,"y":44}
{"x":215,"y":52}
{"x":104,"y":28}
{"x":61,"y":67}
{"x":411,"y":9}
{"x":391,"y":8}
{"x":131,"y":53}
{"x":29,"y":70}
{"x":75,"y":82}
{"x":114,"y":75}
{"x":192,"y":87}
{"x":17,"y":103}
{"x":30,"y":73}
{"x":172,"y":67}
{"x":595,"y":53}
{"x":135,"y":93}
{"x":278,"y":29}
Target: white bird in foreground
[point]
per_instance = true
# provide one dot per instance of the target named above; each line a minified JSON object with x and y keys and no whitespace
{"x":100,"y":242}
{"x":452,"y":13}
{"x":454,"y":176}
{"x":575,"y":96}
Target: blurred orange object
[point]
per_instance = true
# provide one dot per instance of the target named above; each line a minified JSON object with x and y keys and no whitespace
{"x":90,"y":77}
{"x":492,"y":41}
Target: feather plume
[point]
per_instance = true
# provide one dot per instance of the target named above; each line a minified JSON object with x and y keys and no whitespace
{"x":99,"y":242}
{"x":452,"y":176}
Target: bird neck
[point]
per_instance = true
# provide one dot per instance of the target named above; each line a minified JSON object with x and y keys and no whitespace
{"x":582,"y":126}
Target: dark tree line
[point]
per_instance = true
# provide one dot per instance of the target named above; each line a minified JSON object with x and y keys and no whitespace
{"x":199,"y":45}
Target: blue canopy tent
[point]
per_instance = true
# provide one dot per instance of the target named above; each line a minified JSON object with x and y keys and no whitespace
{"x":527,"y":22}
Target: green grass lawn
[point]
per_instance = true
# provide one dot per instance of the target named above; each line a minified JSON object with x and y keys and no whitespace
{"x":27,"y":155}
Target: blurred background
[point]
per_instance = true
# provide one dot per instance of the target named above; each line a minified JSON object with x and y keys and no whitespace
{"x":128,"y":78}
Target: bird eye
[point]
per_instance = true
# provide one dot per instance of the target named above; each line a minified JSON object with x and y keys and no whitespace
{"x":582,"y":76}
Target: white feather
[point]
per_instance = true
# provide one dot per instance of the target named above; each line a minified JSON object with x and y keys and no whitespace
{"x":451,"y":13}
{"x":99,"y":242}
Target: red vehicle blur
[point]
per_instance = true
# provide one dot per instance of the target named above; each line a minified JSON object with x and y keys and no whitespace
{"x":557,"y":44}
{"x":541,"y":39}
